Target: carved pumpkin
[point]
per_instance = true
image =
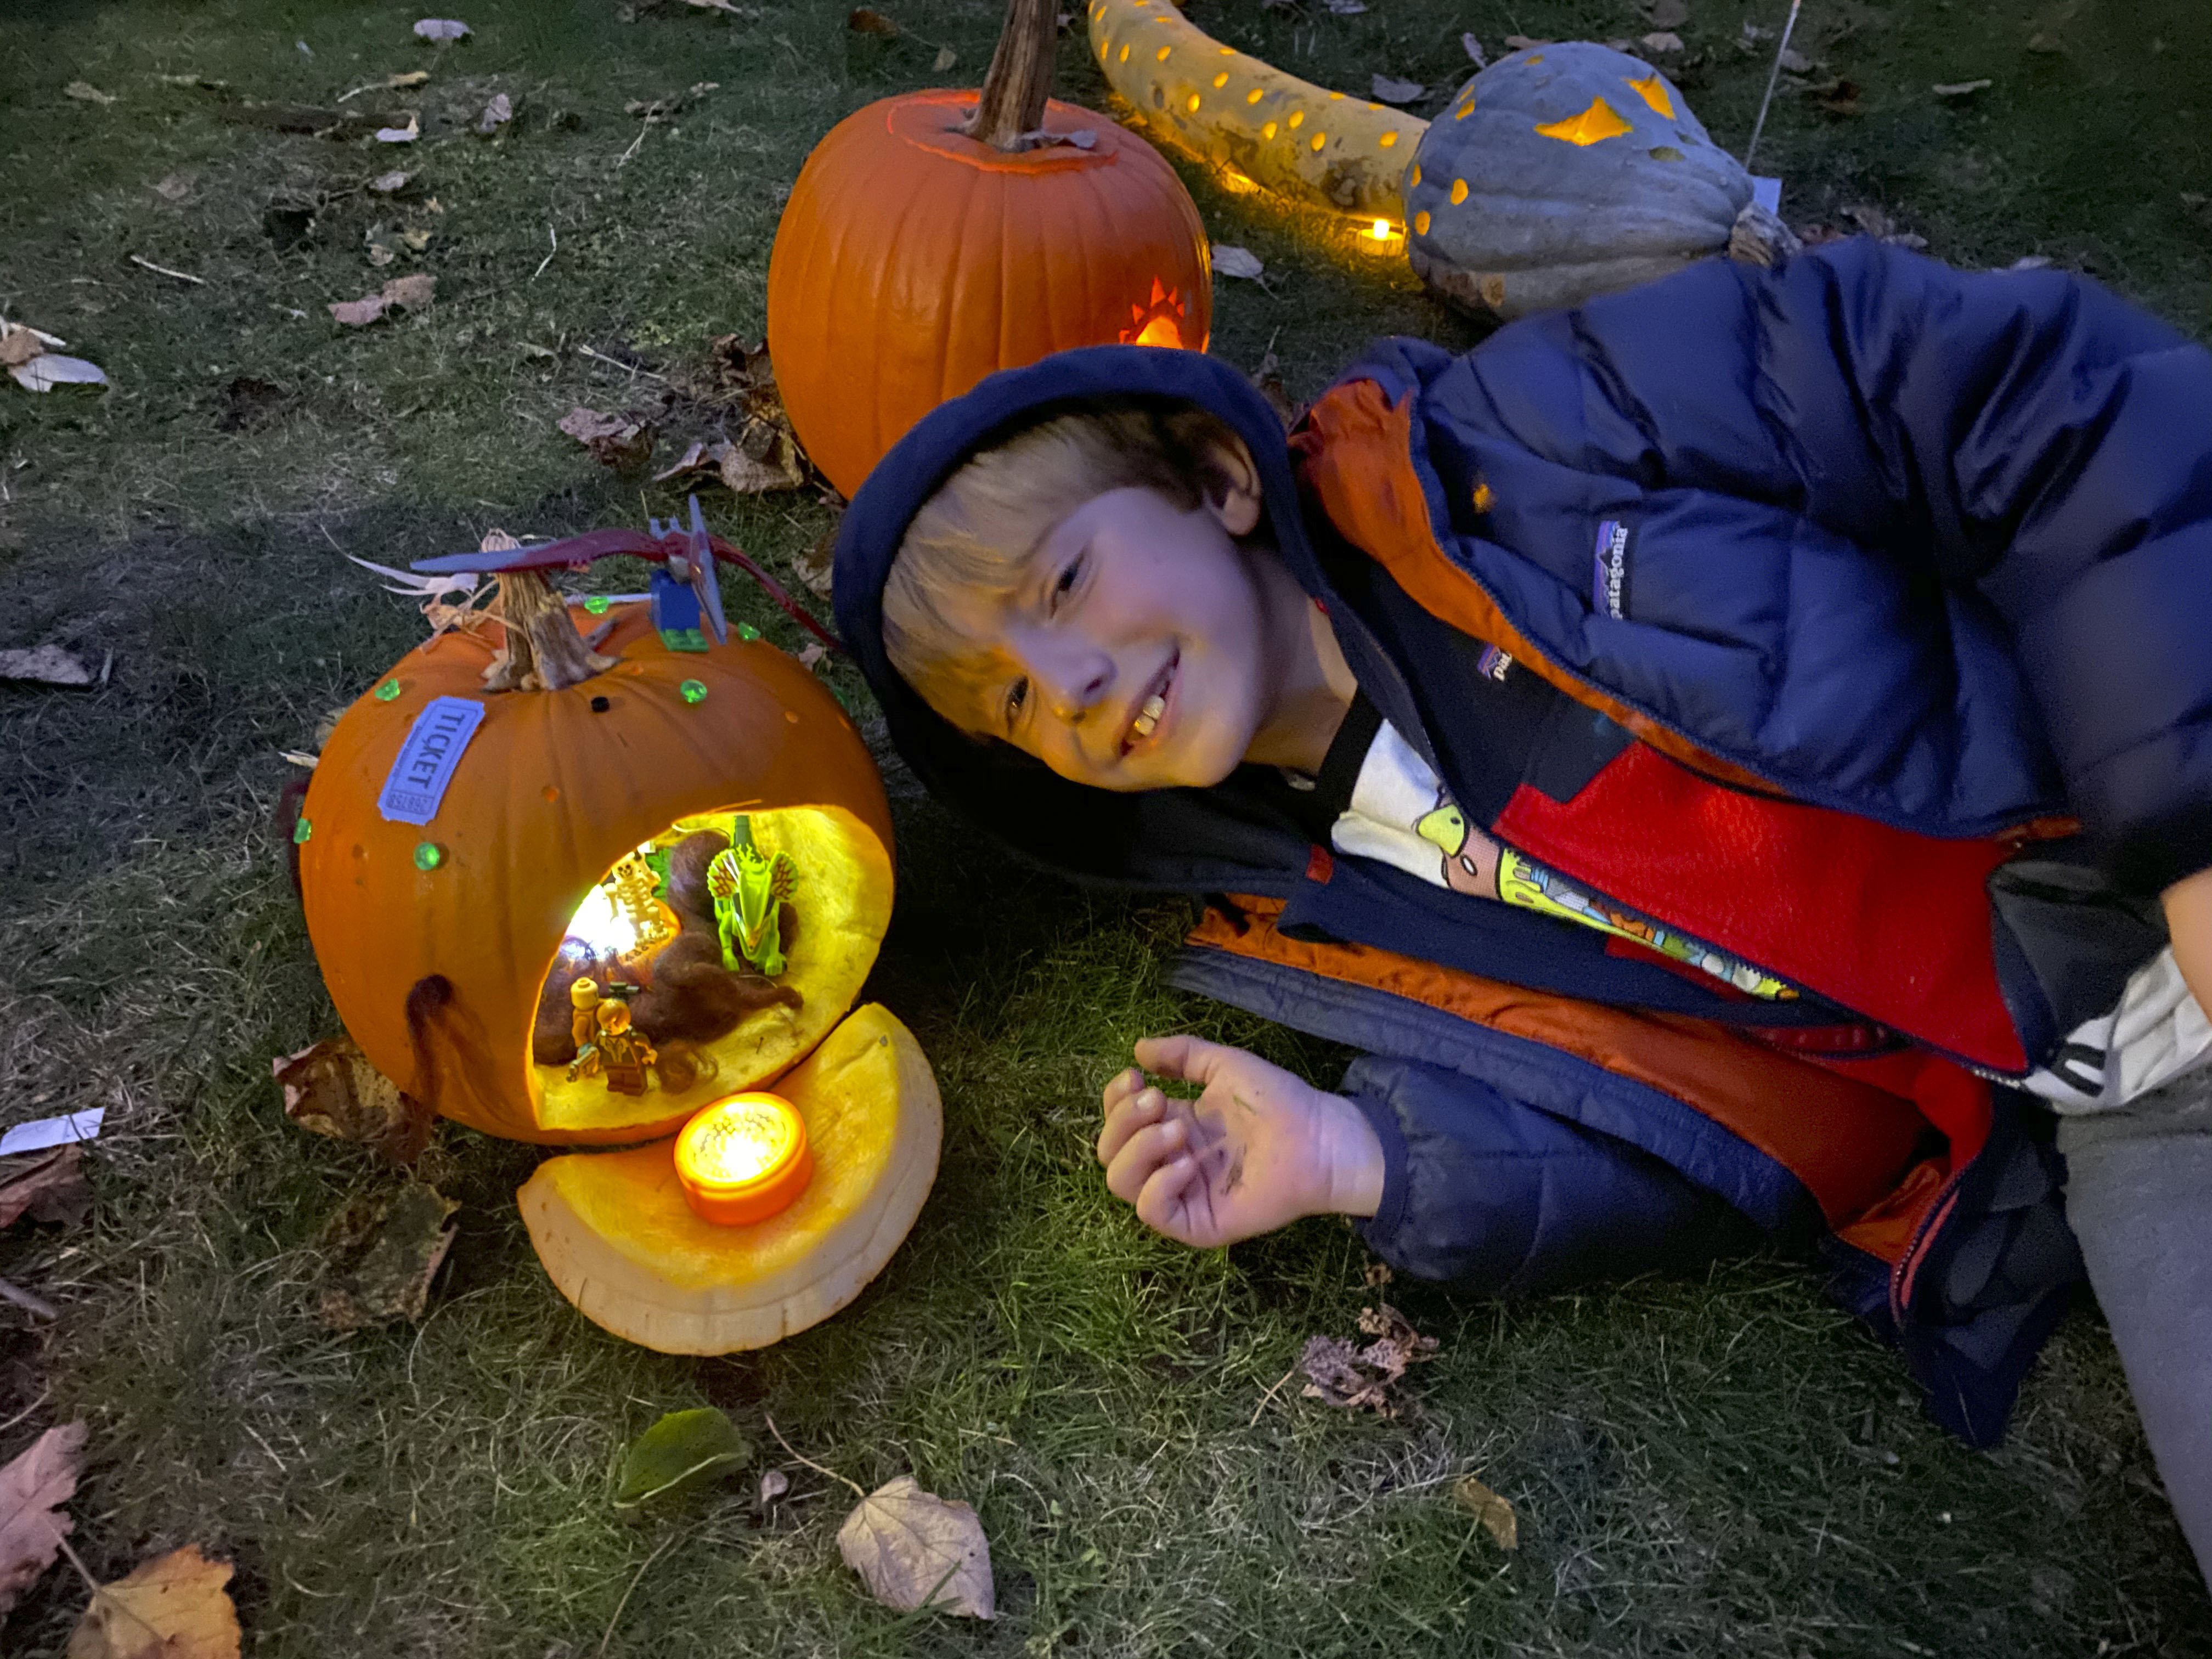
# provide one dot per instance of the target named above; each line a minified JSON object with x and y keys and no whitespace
{"x":934,"y":238}
{"x":1301,"y":142}
{"x":436,"y":939}
{"x":1563,"y":172}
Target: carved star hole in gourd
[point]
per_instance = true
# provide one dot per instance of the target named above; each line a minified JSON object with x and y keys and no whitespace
{"x":1599,"y":122}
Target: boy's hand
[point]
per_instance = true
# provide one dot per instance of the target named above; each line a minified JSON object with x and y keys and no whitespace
{"x":1258,"y":1150}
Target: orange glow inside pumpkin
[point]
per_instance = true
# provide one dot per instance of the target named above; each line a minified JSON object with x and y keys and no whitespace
{"x":743,"y":1159}
{"x":1159,"y":323}
{"x":726,"y":1029}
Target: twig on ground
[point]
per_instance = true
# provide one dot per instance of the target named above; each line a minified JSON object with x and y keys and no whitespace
{"x":809,"y":1462}
{"x":1271,"y":1394}
{"x":181,"y":275}
{"x":31,"y":1304}
{"x":586,"y":351}
{"x":553,"y":237}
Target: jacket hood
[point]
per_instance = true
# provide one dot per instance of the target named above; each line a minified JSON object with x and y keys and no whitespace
{"x":1197,"y":840}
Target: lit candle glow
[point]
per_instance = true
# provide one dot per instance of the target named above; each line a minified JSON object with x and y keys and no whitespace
{"x":743,"y":1159}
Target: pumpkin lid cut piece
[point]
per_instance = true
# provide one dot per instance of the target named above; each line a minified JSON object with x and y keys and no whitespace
{"x":620,"y":1240}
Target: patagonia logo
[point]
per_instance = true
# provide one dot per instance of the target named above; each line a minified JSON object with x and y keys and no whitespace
{"x":1493,"y":664}
{"x":428,"y":758}
{"x":1609,"y":569}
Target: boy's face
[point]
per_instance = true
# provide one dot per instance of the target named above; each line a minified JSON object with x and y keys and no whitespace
{"x":1139,"y":649}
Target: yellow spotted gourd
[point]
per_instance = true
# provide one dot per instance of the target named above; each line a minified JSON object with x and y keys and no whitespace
{"x":1296,"y":140}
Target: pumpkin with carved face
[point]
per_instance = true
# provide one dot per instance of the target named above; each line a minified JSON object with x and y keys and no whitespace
{"x":936,"y":238}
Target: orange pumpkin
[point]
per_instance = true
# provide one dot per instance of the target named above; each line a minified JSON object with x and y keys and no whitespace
{"x":934,"y":238}
{"x":552,"y":790}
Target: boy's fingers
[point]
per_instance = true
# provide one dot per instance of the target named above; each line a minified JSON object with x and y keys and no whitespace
{"x":1142,"y":1153}
{"x":1191,"y":1059}
{"x":1121,"y":1086}
{"x":1126,"y":1119}
{"x":1161,"y":1203}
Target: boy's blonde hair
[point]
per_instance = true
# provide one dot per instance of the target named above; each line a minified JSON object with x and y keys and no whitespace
{"x":973,"y":538}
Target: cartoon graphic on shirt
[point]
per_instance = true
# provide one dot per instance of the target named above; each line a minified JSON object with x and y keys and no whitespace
{"x":1524,"y":882}
{"x":1446,"y":827}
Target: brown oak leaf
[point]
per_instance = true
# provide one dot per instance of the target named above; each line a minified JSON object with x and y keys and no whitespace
{"x":331,"y":1089}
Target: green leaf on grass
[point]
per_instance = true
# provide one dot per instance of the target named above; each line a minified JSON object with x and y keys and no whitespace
{"x":683,"y":1450}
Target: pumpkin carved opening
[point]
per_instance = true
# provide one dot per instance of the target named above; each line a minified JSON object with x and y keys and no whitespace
{"x":704,"y":962}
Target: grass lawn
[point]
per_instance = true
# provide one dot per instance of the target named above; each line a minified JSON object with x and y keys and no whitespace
{"x":1721,"y":1465}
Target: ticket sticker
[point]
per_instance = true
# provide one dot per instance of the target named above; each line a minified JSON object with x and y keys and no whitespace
{"x":428,"y":759}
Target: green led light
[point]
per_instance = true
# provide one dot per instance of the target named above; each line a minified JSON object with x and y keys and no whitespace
{"x":301,"y":831}
{"x":747,"y":631}
{"x":387,"y":691}
{"x":428,"y":855}
{"x":598,"y":603}
{"x":693,"y":691}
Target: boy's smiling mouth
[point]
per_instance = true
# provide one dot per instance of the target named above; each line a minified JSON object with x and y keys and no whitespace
{"x":1151,"y":707}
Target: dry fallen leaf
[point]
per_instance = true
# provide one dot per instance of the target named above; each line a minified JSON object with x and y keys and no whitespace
{"x":1388,"y":89}
{"x":1661,"y":44}
{"x":911,"y":1547}
{"x":1473,"y":48}
{"x":383,"y":1251}
{"x":406,"y":135}
{"x":45,"y":1186}
{"x":387,"y":184}
{"x":866,"y":19}
{"x":175,"y":186}
{"x":496,"y":114}
{"x":46,"y":665}
{"x":33,"y":1486}
{"x":440,"y":28}
{"x":18,"y":344}
{"x":85,"y":92}
{"x":402,"y":81}
{"x":621,"y":441}
{"x":1525,"y":43}
{"x":1355,"y":1378}
{"x":417,"y":241}
{"x":174,"y":1607}
{"x":1836,"y":97}
{"x":812,"y":654}
{"x":817,"y":565}
{"x":1961,"y":89}
{"x":1793,"y":62}
{"x":1494,"y":1512}
{"x":772,"y":1485}
{"x":331,"y":1089}
{"x":1230,"y":260}
{"x":1267,"y":379}
{"x":411,"y":293}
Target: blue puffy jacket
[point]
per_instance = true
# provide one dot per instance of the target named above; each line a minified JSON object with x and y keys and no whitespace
{"x":1920,"y":551}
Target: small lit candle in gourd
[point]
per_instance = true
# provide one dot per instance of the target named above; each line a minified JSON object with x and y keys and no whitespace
{"x":743,"y":1159}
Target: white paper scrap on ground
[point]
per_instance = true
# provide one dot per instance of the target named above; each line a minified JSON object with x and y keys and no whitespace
{"x":1767,"y":192}
{"x":41,"y":1133}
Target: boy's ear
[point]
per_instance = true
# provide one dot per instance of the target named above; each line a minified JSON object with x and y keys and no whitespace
{"x":1232,"y":485}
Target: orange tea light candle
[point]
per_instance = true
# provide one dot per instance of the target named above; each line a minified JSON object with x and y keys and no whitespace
{"x":743,"y":1159}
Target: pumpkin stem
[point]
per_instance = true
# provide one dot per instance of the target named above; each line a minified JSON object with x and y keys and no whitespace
{"x":543,"y":652}
{"x":1011,"y":107}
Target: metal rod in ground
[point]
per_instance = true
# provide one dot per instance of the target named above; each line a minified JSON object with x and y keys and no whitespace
{"x":1772,"y":76}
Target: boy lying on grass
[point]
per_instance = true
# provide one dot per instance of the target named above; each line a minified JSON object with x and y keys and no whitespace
{"x":1736,"y":757}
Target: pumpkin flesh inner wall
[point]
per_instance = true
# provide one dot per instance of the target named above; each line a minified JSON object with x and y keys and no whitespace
{"x":842,"y":900}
